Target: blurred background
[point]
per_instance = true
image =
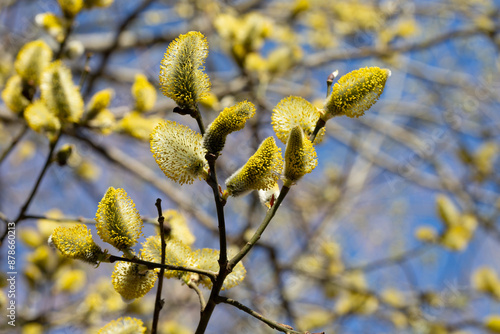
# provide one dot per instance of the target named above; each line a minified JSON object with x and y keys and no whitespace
{"x":397,"y":229}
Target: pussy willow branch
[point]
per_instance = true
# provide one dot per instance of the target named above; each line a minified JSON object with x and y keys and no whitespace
{"x":151,"y":265}
{"x":267,"y":219}
{"x":32,"y":194}
{"x":142,"y":172}
{"x":197,"y":116}
{"x":13,"y":144}
{"x":224,"y":270}
{"x":67,"y":33}
{"x":273,"y":324}
{"x":158,"y":300}
{"x":203,"y":303}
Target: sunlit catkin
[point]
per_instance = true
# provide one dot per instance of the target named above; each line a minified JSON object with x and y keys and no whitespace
{"x":124,"y":325}
{"x":59,"y":93}
{"x":176,"y":254}
{"x":118,"y":221}
{"x":356,"y":92}
{"x":295,"y":111}
{"x":229,"y":120}
{"x":76,"y":242}
{"x":261,"y":171}
{"x":132,"y":280}
{"x":144,"y":93}
{"x":32,"y":59}
{"x":207,"y":259}
{"x":71,"y":8}
{"x":41,"y":120}
{"x":300,"y":157}
{"x":181,"y":76}
{"x":178,"y":152}
{"x":12,"y":94}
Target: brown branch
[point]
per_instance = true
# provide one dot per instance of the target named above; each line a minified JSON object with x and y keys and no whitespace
{"x":273,"y":324}
{"x":158,"y":301}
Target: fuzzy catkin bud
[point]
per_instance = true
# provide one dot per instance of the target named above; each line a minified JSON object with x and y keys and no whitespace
{"x":124,"y":325}
{"x":71,"y":8}
{"x":52,"y":24}
{"x":118,"y":221}
{"x":181,"y":76}
{"x":295,"y":111}
{"x":144,"y":93}
{"x":59,"y":93}
{"x":99,"y":101}
{"x":300,"y":157}
{"x":76,"y":242}
{"x":207,"y":259}
{"x":176,"y":254}
{"x":178,"y":152}
{"x":40,"y":119}
{"x":229,"y":120}
{"x":32,"y":59}
{"x":12,"y":94}
{"x":260,"y":172}
{"x":356,"y":92}
{"x":132,"y":280}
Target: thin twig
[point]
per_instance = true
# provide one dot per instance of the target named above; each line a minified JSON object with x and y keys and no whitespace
{"x":67,"y":33}
{"x":152,"y":265}
{"x":13,"y":143}
{"x":267,"y":219}
{"x":273,"y":324}
{"x":224,"y":269}
{"x":158,"y":301}
{"x":193,"y":286}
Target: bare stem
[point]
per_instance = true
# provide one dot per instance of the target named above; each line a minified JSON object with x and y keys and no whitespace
{"x":159,"y":302}
{"x":151,"y":265}
{"x":267,"y":219}
{"x":193,"y":286}
{"x":197,"y":116}
{"x":13,"y":143}
{"x":224,"y":270}
{"x":273,"y":324}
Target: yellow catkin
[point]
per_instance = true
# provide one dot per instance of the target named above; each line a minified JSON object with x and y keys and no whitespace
{"x":124,"y":325}
{"x":59,"y":93}
{"x":207,"y":259}
{"x":178,"y":152}
{"x":32,"y":59}
{"x":118,"y":221}
{"x":176,"y":254}
{"x":40,"y":119}
{"x":52,"y":24}
{"x":181,"y":76}
{"x":132,"y":280}
{"x":356,"y":92}
{"x":71,"y":8}
{"x":300,"y":156}
{"x":12,"y":94}
{"x":144,"y":93}
{"x":76,"y":242}
{"x":295,"y":111}
{"x":260,"y":172}
{"x":229,"y":120}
